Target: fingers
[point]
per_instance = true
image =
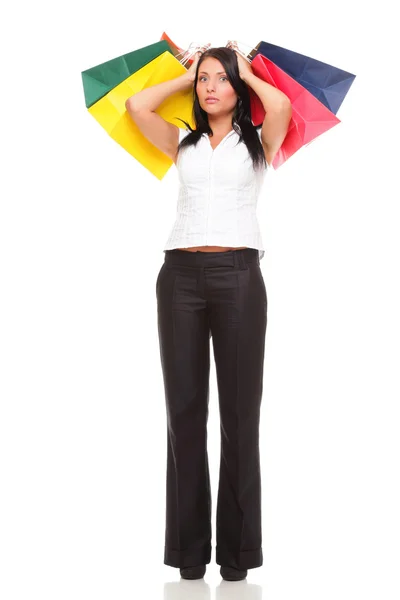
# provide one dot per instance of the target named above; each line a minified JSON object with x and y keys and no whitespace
{"x":201,"y":50}
{"x":232,"y":44}
{"x":190,"y":53}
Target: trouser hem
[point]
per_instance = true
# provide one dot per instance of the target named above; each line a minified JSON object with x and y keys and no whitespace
{"x":187,"y":558}
{"x":249,"y":559}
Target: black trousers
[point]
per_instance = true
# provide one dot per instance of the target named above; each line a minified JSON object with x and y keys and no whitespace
{"x":220,"y":295}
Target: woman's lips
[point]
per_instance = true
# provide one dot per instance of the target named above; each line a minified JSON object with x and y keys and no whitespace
{"x":212,"y":100}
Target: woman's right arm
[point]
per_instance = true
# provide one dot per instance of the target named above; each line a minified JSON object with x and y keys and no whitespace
{"x":150,"y":98}
{"x":141,"y":108}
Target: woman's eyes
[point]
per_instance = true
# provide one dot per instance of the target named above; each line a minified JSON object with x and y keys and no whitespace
{"x":203,"y":77}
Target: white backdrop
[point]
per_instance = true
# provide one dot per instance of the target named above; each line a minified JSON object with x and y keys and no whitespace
{"x":82,"y":228}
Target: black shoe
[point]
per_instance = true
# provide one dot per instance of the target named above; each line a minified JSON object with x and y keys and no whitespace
{"x":197,"y":572}
{"x":232,"y":574}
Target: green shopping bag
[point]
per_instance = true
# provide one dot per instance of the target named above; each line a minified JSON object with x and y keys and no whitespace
{"x":98,"y":81}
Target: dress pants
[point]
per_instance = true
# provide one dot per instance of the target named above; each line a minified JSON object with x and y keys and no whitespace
{"x":218,"y":295}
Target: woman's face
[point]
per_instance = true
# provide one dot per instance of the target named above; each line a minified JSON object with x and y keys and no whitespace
{"x":212,"y":80}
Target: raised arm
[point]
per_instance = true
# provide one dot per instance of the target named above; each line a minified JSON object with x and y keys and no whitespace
{"x":278,"y":109}
{"x":142,"y":106}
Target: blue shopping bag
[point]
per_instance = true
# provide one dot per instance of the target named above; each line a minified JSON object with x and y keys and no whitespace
{"x":326,"y":82}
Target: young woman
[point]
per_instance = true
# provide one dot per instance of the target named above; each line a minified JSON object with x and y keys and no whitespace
{"x":211,"y":285}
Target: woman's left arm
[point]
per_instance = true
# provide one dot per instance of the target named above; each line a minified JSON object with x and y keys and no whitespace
{"x":278,"y":112}
{"x":277,"y":106}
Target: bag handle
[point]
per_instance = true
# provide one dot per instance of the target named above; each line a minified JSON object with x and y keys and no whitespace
{"x":191,"y":51}
{"x":247,"y":56}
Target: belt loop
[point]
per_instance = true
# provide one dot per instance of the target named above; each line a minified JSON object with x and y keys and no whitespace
{"x":236,"y":259}
{"x":242,"y":261}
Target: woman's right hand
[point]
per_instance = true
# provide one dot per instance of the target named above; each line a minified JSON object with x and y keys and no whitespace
{"x":191,"y":72}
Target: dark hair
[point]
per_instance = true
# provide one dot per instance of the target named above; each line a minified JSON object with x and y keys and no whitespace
{"x":241,"y":117}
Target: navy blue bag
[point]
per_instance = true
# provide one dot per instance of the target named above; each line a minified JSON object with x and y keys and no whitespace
{"x":326,"y":82}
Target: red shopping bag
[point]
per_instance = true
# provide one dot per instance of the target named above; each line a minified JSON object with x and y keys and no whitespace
{"x":310,"y":118}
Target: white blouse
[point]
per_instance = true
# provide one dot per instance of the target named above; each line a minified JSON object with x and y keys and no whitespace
{"x":218,"y":195}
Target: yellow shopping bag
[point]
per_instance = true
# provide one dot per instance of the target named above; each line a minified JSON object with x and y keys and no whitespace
{"x":112,"y":115}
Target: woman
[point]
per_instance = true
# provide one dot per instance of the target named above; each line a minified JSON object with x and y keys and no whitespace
{"x":211,"y":285}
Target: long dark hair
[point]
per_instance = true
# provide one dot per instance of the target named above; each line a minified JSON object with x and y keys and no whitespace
{"x":241,"y":117}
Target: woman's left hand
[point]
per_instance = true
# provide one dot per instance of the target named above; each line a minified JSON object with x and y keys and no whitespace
{"x":243,"y":64}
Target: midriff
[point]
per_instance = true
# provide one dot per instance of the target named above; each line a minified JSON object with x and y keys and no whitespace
{"x":211,"y":248}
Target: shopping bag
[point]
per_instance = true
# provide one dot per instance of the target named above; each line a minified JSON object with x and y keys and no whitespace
{"x":112,"y":115}
{"x":186,"y":57}
{"x":98,"y":81}
{"x":327,"y":83}
{"x":310,"y":118}
{"x":178,"y":52}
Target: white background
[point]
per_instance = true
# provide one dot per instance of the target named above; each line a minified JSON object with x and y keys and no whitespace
{"x":82,"y":228}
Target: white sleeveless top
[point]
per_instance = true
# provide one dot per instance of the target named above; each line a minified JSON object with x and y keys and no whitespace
{"x":218,"y":195}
